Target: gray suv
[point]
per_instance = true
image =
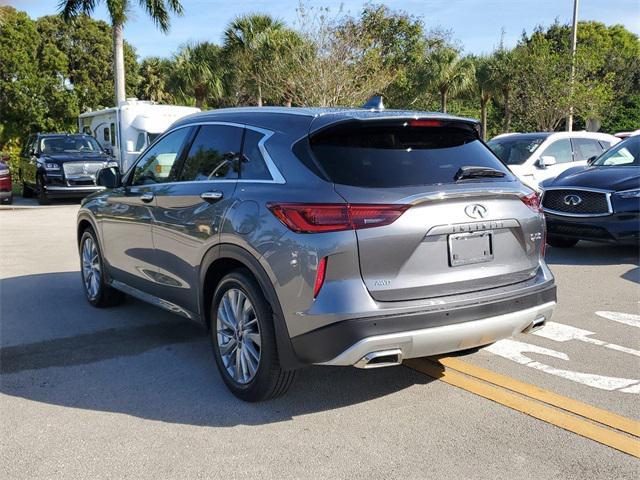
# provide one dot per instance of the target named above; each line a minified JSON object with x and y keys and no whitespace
{"x":321,"y":236}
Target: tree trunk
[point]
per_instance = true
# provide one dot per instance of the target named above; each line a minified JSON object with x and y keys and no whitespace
{"x":288,"y":102}
{"x":507,"y":112}
{"x":443,"y":101}
{"x":259,"y":95}
{"x":200,"y":93}
{"x":483,"y":116}
{"x":118,"y":63}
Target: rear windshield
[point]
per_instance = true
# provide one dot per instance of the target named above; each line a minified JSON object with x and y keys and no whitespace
{"x":401,"y":155}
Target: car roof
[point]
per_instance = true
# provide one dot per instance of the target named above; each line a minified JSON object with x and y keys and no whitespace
{"x":523,"y":136}
{"x":574,"y":134}
{"x":45,"y":135}
{"x":314,"y":118}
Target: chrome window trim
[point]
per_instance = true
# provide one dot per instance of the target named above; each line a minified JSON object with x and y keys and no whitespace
{"x":276,"y":176}
{"x":579,"y":215}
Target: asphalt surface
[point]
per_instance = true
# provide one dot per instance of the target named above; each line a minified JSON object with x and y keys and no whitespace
{"x":133,"y":392}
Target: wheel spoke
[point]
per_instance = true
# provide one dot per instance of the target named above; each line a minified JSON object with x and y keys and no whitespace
{"x":251,"y":364}
{"x":228,"y":347}
{"x":223,"y":317}
{"x":251,"y":350}
{"x":254,"y":337}
{"x":231,"y":318}
{"x":237,"y":365}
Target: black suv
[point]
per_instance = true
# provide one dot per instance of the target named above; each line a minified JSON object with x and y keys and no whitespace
{"x":61,"y":165}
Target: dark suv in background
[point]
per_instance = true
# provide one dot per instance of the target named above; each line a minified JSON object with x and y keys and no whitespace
{"x":321,"y":236}
{"x":59,"y":165}
{"x":599,"y":202}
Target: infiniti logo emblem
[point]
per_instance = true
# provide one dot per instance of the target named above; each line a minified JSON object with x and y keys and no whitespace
{"x":476,"y":210}
{"x":572,"y":200}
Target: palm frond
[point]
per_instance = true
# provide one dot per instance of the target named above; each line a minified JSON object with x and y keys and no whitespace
{"x":72,"y":8}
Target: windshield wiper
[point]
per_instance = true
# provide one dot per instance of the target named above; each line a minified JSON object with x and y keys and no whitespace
{"x":477,"y":172}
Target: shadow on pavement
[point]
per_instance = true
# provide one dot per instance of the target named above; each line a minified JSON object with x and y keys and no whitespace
{"x":138,"y":360}
{"x":19,"y":202}
{"x":589,"y":253}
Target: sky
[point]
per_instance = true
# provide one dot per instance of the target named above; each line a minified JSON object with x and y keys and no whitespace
{"x":475,"y":24}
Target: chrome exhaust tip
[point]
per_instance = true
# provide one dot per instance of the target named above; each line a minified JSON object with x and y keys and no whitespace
{"x":537,"y":324}
{"x":382,"y":358}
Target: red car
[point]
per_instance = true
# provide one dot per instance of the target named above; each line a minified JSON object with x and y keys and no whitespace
{"x":6,"y":187}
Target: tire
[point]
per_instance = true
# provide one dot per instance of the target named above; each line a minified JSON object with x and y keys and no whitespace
{"x":26,"y":191}
{"x":266,"y":379}
{"x":561,"y":242}
{"x":103,"y":295}
{"x":43,"y":199}
{"x":8,"y":200}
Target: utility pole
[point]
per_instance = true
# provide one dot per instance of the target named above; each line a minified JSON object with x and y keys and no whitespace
{"x":574,"y":41}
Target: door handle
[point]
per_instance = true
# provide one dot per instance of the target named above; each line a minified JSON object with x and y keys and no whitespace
{"x":147,"y":197}
{"x":211,"y":196}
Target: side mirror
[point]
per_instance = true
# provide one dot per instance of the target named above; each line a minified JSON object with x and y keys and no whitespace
{"x":546,"y":161}
{"x":109,"y":177}
{"x":108,"y":151}
{"x":590,"y":160}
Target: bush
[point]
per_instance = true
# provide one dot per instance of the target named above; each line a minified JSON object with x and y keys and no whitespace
{"x":13,"y":151}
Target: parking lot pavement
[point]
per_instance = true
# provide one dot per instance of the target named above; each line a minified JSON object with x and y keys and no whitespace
{"x":133,"y":391}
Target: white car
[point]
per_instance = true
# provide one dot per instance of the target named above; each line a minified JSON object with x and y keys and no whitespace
{"x":535,"y":157}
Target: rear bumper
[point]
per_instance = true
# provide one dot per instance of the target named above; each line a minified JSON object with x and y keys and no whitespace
{"x":621,"y":227}
{"x":448,"y":338}
{"x":5,"y":194}
{"x":424,"y":333}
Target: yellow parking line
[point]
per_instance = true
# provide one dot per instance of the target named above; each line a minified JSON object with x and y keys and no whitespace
{"x":619,"y":441}
{"x":574,"y":406}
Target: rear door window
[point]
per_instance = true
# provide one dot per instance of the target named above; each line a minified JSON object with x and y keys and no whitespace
{"x":213,"y":154}
{"x":400,"y":155}
{"x":585,"y":148}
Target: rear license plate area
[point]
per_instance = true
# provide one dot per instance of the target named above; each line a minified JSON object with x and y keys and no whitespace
{"x":470,"y":248}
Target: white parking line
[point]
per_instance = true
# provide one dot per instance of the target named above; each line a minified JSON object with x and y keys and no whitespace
{"x":514,"y":351}
{"x":625,"y":318}
{"x":559,"y":332}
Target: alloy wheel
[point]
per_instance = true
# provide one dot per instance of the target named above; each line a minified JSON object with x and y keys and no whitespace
{"x":238,"y":335}
{"x":91,"y":267}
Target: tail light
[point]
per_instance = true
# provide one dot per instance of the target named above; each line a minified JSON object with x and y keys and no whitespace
{"x":426,"y":123}
{"x":317,"y":218}
{"x":320,"y":274}
{"x":532,"y":201}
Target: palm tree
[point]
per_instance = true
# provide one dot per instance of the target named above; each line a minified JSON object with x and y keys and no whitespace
{"x":154,"y":72}
{"x":198,"y":72}
{"x":250,"y":41}
{"x":449,"y":74}
{"x":158,"y":10}
{"x":504,"y":73}
{"x":486,"y":85}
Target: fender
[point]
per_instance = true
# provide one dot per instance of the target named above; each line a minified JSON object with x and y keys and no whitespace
{"x":87,"y":215}
{"x":286,"y":355}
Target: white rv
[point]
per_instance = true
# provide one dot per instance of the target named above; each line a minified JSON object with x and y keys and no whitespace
{"x":128,"y":129}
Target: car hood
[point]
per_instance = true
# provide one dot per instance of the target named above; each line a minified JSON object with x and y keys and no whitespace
{"x":76,"y":157}
{"x":605,"y":178}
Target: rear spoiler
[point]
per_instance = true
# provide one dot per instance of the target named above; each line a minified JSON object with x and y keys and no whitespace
{"x":334,"y":119}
